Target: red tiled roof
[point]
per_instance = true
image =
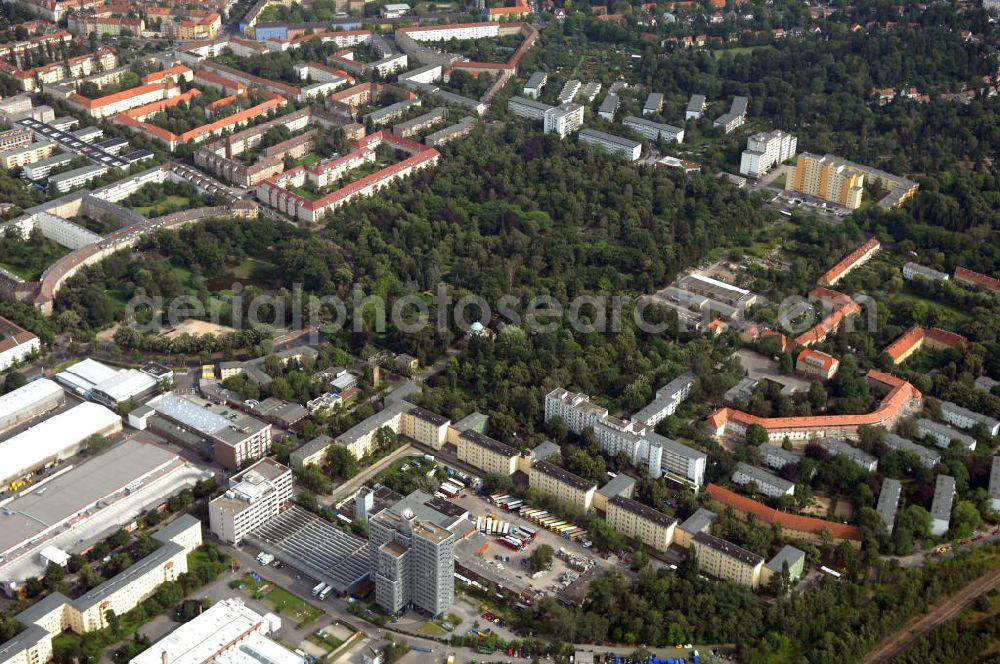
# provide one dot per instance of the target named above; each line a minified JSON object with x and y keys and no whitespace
{"x":847,"y":262}
{"x":977,"y":278}
{"x":119,"y":96}
{"x":14,"y":335}
{"x":802,"y":524}
{"x":421,"y":154}
{"x":827,"y":362}
{"x":176,"y":70}
{"x":212,"y":77}
{"x":900,"y":394}
{"x":324,"y":35}
{"x":916,"y":335}
{"x":828,"y":325}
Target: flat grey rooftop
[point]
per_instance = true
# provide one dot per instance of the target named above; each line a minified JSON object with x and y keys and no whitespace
{"x":78,"y":490}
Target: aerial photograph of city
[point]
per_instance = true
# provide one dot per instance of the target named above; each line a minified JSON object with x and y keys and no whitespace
{"x":489,"y":331}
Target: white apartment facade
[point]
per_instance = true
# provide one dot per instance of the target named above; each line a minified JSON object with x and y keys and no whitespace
{"x":964,"y":418}
{"x":765,"y":150}
{"x":767,"y":483}
{"x":563,"y":119}
{"x":624,"y":147}
{"x":254,"y":496}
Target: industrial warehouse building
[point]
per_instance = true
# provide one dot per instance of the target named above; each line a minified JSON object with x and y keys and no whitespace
{"x":29,"y":401}
{"x":57,"y":613}
{"x":227,"y":633}
{"x":107,"y":385}
{"x":59,"y":437}
{"x":88,"y":502}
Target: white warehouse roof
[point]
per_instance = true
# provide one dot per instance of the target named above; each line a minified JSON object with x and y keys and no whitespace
{"x":53,"y":438}
{"x":27,"y":395}
{"x":126,"y":384}
{"x":227,"y":632}
{"x":110,"y":384}
{"x":85,"y":375}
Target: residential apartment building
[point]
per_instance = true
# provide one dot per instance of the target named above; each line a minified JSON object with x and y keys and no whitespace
{"x":944,"y":498}
{"x":913,"y":270}
{"x":563,"y":485}
{"x":974,"y":279}
{"x":943,"y":435}
{"x":654,"y":103}
{"x":569,"y":91}
{"x":900,"y":399}
{"x":28,"y":154}
{"x":637,"y":440}
{"x":608,"y":107}
{"x":699,"y":522}
{"x":612,"y":144}
{"x":402,"y":418}
{"x":964,"y":418}
{"x":56,"y":613}
{"x":254,"y":496}
{"x":775,"y":457}
{"x":736,"y":116}
{"x":816,"y":364}
{"x":654,"y":131}
{"x":888,"y":502}
{"x":667,"y":399}
{"x":527,"y":108}
{"x":837,"y":447}
{"x":695,"y":107}
{"x":414,"y":563}
{"x":619,"y":485}
{"x":78,"y":177}
{"x":311,"y":453}
{"x":766,"y":483}
{"x":533,"y":88}
{"x":790,"y":558}
{"x":725,"y":560}
{"x":18,"y":137}
{"x":563,"y":119}
{"x":765,"y":150}
{"x":41,"y":169}
{"x":928,"y":457}
{"x":120,"y":102}
{"x":487,"y":454}
{"x":16,"y":344}
{"x":828,"y":178}
{"x":918,"y":337}
{"x":634,"y":519}
{"x":424,"y":427}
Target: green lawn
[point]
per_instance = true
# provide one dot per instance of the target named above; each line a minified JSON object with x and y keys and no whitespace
{"x":280,"y":600}
{"x":31,"y":272}
{"x":161,"y":207}
{"x":325,"y":640}
{"x":432,"y":630}
{"x":182,"y":273}
{"x":736,"y":50}
{"x":285,"y":602}
{"x":251,"y":268}
{"x":308,"y":160}
{"x":304,"y":193}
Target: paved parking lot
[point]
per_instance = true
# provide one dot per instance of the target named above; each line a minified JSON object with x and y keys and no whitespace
{"x":517,"y":575}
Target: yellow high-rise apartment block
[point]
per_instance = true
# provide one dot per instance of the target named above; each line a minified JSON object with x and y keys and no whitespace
{"x":828,"y":178}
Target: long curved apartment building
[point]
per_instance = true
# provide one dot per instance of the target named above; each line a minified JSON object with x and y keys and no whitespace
{"x":900,"y":397}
